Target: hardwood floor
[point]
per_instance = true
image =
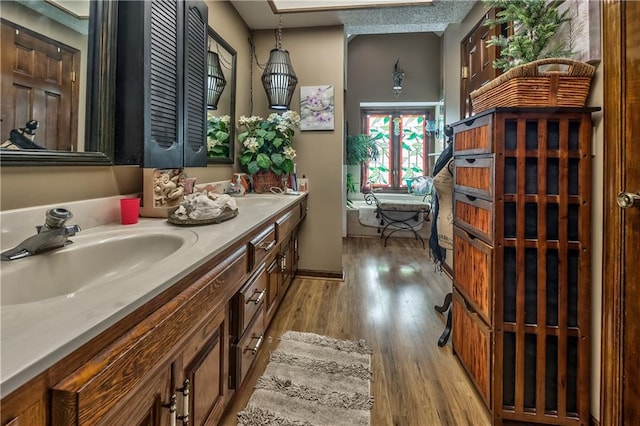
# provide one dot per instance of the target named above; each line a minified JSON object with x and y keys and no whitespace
{"x":387,"y":298}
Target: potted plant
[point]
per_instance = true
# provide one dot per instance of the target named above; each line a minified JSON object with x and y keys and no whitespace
{"x":534,"y":25}
{"x":360,"y":148}
{"x":266,"y":152}
{"x":534,"y":56}
{"x":218,"y":136}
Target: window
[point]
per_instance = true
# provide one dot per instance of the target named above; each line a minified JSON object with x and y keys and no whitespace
{"x":405,"y":138}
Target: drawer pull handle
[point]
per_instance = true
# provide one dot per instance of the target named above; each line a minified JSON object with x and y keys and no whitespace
{"x":267,"y":246}
{"x":185,"y":402}
{"x":255,"y":349}
{"x":470,"y":160}
{"x":470,"y":122}
{"x":471,"y":198}
{"x":172,"y":406}
{"x":258,"y":299}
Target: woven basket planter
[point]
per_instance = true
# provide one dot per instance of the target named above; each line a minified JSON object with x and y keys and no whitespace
{"x":567,"y":84}
{"x":264,"y":181}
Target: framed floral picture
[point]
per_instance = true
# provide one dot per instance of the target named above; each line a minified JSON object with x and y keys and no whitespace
{"x":316,"y":107}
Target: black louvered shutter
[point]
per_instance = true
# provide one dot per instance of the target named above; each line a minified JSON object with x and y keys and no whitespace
{"x":195,"y":125}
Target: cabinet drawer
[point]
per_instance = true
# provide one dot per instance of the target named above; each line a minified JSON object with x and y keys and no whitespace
{"x":474,"y":175}
{"x":286,"y":223}
{"x":473,"y":269}
{"x":472,"y":345}
{"x":245,"y":351}
{"x":473,"y":136}
{"x":474,"y":215}
{"x":261,"y":245}
{"x":251,"y":297}
{"x":303,"y":208}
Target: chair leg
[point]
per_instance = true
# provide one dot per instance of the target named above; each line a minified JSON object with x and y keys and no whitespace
{"x":444,"y":337}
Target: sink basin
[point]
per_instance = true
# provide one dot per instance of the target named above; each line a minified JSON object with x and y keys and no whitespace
{"x":91,"y":260}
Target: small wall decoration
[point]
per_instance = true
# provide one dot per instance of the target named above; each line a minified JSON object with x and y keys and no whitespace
{"x":316,"y":107}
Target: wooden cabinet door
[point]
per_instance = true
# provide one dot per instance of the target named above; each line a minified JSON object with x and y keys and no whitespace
{"x":204,"y":371}
{"x":149,"y":405}
{"x":273,"y":294}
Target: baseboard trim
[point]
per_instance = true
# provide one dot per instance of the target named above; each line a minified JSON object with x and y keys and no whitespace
{"x":594,"y":422}
{"x":325,"y":275}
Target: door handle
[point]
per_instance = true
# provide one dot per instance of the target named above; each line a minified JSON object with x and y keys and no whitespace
{"x":628,"y":199}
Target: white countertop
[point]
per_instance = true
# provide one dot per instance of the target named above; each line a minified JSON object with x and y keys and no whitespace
{"x":36,"y":335}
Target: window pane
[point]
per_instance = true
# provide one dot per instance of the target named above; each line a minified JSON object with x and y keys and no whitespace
{"x":379,"y":127}
{"x":412,"y":152}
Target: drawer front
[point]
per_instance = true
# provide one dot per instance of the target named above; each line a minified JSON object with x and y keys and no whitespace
{"x":474,"y":175}
{"x":246,"y":350}
{"x":473,"y":136}
{"x":471,"y":340}
{"x":251,"y":297}
{"x":474,"y":215}
{"x":286,"y":223}
{"x":303,"y":208}
{"x":261,"y":245}
{"x":473,"y":271}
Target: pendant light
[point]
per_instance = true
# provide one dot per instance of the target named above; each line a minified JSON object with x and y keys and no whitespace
{"x":279,"y":79}
{"x":215,"y":80}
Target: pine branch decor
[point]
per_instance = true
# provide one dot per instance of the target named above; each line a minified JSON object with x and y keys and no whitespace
{"x":534,"y":24}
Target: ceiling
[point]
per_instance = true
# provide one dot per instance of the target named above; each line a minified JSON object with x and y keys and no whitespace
{"x":363,"y":18}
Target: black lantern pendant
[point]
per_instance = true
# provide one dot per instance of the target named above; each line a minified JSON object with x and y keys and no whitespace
{"x":216,"y":81}
{"x":279,"y":79}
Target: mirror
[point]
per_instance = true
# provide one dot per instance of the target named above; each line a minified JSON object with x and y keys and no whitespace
{"x":221,"y":117}
{"x":63,"y":76}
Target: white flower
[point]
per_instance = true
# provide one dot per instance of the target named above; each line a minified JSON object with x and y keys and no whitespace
{"x":251,"y":144}
{"x":289,"y":153}
{"x":212,"y":142}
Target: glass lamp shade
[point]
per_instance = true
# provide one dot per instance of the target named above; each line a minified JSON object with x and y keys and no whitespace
{"x":215,"y":80}
{"x":279,"y":80}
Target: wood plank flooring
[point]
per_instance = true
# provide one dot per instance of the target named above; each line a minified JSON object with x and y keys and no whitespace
{"x":387,"y":298}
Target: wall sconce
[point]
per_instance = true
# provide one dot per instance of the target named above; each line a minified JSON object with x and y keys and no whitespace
{"x":279,"y":79}
{"x":215,"y":80}
{"x":398,"y":75}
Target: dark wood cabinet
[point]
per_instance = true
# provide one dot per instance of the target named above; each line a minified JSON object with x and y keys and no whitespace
{"x":522,"y":261}
{"x":161,"y":84}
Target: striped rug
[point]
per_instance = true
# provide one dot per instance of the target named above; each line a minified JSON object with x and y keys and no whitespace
{"x":312,"y":380}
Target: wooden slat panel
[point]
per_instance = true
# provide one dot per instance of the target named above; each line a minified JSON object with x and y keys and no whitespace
{"x":474,"y":215}
{"x":472,"y":344}
{"x":474,"y":136}
{"x":473,"y":268}
{"x":474,"y":175}
{"x":563,"y":252}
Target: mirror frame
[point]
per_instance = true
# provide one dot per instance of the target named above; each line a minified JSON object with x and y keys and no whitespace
{"x":101,"y":80}
{"x":232,"y":86}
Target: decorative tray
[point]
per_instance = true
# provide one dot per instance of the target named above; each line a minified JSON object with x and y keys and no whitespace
{"x":226,"y":215}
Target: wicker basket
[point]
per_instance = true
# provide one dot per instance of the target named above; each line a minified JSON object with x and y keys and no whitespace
{"x":529,"y":86}
{"x":264,"y":181}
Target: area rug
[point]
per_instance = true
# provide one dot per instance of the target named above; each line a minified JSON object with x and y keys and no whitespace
{"x":312,"y":380}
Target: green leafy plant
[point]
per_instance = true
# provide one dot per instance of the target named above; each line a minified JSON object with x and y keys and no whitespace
{"x":266,"y":143}
{"x":361,"y":148}
{"x":533,"y":24}
{"x":218,"y":136}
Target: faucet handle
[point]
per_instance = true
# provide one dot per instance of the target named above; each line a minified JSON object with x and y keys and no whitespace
{"x":55,"y":218}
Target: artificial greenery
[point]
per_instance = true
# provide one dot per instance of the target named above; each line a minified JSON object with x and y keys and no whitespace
{"x":218,"y":136}
{"x":360,"y":148}
{"x":266,"y":143}
{"x":534,"y":24}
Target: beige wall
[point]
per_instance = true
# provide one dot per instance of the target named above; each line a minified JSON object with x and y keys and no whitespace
{"x":317,"y":56}
{"x":370,"y":65}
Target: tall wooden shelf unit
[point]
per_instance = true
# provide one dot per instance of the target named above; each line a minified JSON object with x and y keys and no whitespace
{"x":522,"y":249}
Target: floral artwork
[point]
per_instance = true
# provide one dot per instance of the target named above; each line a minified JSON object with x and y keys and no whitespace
{"x":266,"y":143}
{"x":316,"y":107}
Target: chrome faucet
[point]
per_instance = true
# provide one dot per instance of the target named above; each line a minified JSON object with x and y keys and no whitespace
{"x":52,"y":235}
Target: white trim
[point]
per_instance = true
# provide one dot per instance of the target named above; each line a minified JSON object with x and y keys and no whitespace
{"x":397,"y":104}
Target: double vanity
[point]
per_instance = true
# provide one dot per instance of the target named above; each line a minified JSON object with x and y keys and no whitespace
{"x":149,"y":323}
